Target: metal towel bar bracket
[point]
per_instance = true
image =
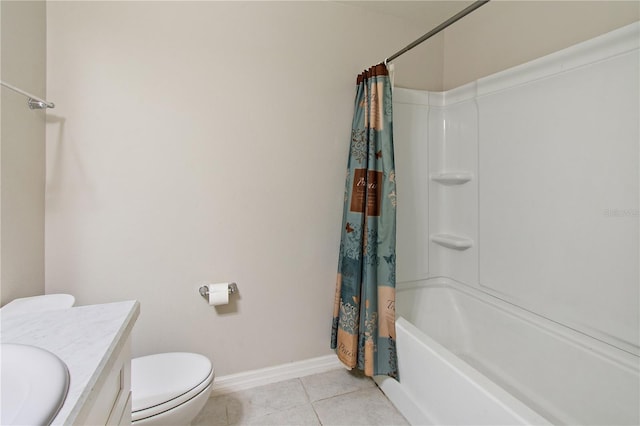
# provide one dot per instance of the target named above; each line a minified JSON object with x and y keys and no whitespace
{"x":34,"y":102}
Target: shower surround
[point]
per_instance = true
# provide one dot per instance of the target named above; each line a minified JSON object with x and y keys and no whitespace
{"x":518,"y":237}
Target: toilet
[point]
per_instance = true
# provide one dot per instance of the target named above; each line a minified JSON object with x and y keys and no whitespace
{"x":166,"y":389}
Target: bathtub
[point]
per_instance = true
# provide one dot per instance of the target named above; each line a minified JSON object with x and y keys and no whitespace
{"x":467,"y":358}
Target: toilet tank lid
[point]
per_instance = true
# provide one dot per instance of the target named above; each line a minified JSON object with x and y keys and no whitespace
{"x":159,"y":378}
{"x":45,"y":302}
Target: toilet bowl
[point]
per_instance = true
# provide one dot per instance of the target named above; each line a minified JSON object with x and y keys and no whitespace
{"x":166,"y":389}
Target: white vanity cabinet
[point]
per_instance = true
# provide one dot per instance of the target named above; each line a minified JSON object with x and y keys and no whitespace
{"x":95,"y":344}
{"x":109,"y":403}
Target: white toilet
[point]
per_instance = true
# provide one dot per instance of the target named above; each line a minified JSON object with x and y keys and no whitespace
{"x":166,"y":389}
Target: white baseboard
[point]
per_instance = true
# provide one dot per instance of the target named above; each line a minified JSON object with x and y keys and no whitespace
{"x":278,"y":373}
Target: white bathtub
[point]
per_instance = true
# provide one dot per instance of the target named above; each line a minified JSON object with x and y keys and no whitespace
{"x":467,"y":358}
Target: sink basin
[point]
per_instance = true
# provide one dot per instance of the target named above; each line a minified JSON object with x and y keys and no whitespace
{"x":34,"y":385}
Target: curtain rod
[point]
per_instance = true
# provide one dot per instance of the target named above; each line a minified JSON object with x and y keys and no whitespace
{"x":464,"y":12}
{"x":34,"y":102}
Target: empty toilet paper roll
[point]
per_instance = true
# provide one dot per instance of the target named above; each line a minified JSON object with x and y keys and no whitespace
{"x":218,"y":294}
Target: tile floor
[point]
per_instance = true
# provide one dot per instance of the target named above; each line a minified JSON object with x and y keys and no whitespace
{"x":338,"y":397}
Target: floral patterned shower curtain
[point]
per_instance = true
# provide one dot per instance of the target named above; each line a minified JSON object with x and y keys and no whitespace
{"x":363,"y":332}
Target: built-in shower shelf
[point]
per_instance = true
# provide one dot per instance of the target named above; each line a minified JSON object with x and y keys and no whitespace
{"x":455,"y":242}
{"x":452,"y":178}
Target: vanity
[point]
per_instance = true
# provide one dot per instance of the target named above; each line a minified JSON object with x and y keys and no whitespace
{"x":95,"y":344}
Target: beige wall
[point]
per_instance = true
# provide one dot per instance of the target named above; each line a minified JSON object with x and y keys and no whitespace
{"x":427,"y":58}
{"x":22,"y":137}
{"x":503,"y":34}
{"x":206,"y":141}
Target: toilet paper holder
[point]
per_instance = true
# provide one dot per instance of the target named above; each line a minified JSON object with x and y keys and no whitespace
{"x":204,"y":290}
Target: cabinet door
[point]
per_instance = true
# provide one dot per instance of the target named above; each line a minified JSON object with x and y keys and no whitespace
{"x":110,"y":402}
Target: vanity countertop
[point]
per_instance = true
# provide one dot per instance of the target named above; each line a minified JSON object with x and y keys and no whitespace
{"x":84,"y":337}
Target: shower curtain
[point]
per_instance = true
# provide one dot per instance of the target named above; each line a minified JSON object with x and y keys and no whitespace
{"x":363,"y":332}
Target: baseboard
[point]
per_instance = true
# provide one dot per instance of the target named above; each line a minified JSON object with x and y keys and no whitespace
{"x":278,"y":373}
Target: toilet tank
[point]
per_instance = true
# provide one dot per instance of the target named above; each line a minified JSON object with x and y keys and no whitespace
{"x":46,"y":302}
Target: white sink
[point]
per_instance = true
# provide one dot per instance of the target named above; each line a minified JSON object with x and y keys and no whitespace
{"x":34,"y":385}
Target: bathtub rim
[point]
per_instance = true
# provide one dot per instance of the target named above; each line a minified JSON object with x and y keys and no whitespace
{"x":610,"y":352}
{"x":406,"y":404}
{"x":413,"y":410}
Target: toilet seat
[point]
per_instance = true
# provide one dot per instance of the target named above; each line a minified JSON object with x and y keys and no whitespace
{"x":162,"y":382}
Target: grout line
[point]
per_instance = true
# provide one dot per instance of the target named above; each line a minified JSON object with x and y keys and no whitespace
{"x":304,"y":388}
{"x":316,"y":414}
{"x":349,"y":392}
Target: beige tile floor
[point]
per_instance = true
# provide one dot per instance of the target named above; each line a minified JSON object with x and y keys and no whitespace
{"x":338,"y":397}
